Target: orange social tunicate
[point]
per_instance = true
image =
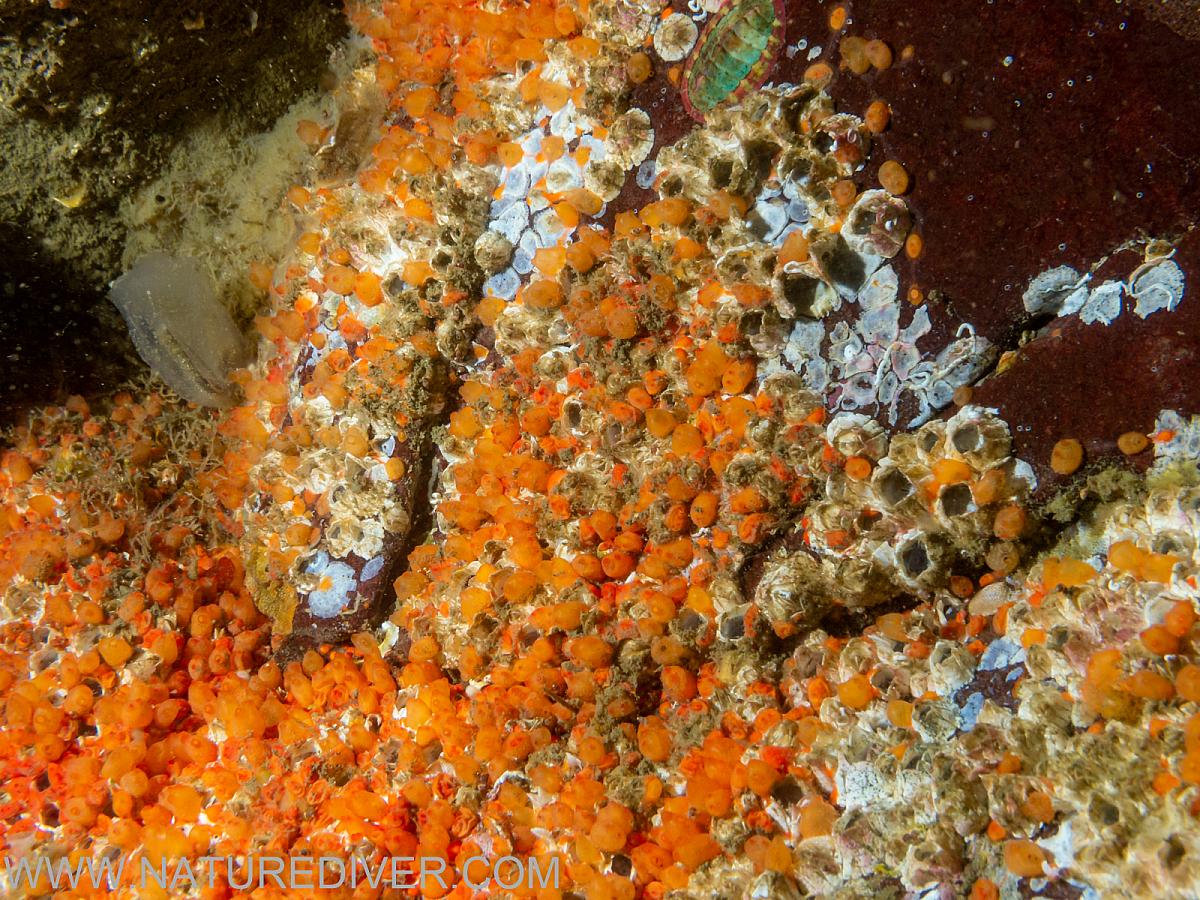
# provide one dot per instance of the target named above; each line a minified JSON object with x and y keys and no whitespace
{"x":1066,"y":456}
{"x":1024,"y":858}
{"x":877,"y":116}
{"x":638,"y":67}
{"x":893,"y":177}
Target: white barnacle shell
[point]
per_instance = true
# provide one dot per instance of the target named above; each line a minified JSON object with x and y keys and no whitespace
{"x":630,"y":138}
{"x":493,"y":251}
{"x":793,"y":589}
{"x":1156,"y":286}
{"x":675,"y":37}
{"x":935,"y":720}
{"x":880,"y":290}
{"x":1049,"y":290}
{"x":1103,"y":303}
{"x":563,"y":174}
{"x":893,"y":489}
{"x":853,"y":434}
{"x":511,"y":222}
{"x":503,"y":285}
{"x":978,"y":436}
{"x":955,"y":501}
{"x":334,"y":583}
{"x":951,"y":665}
{"x":548,"y":228}
{"x":919,"y":559}
{"x":930,"y":439}
{"x":767,"y":220}
{"x":604,"y":178}
{"x":877,"y":223}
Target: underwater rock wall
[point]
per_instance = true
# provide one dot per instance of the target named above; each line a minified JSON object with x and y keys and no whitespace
{"x":637,"y":487}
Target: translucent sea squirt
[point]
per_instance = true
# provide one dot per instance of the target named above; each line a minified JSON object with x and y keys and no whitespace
{"x":179,"y":326}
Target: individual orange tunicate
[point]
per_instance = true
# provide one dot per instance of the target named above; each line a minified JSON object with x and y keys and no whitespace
{"x":817,"y":817}
{"x":843,"y":192}
{"x":550,"y":260}
{"x":737,"y":377}
{"x":893,"y":177}
{"x":855,"y":692}
{"x":853,"y":51}
{"x":686,"y":439}
{"x":1132,"y":442}
{"x":818,"y":73}
{"x":416,"y":272}
{"x":368,"y":288}
{"x":622,"y":323}
{"x":340,"y":279}
{"x":669,"y":211}
{"x":877,"y":117}
{"x":1066,"y":456}
{"x":879,"y":54}
{"x":899,"y":713}
{"x":858,"y":468}
{"x":794,"y":249}
{"x":1009,"y":523}
{"x":1159,"y":641}
{"x":542,"y":294}
{"x":510,"y":153}
{"x":1125,"y":556}
{"x":914,"y":245}
{"x":703,"y":510}
{"x":638,"y":68}
{"x":580,"y":257}
{"x":950,"y":471}
{"x":1024,"y":858}
{"x":1065,"y":572}
{"x":584,"y":201}
{"x":1187,"y":683}
{"x":653,"y":739}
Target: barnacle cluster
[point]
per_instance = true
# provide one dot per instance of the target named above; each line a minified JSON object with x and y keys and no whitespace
{"x":634,"y":536}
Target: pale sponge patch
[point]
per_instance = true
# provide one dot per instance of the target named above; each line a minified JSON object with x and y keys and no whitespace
{"x":179,"y":326}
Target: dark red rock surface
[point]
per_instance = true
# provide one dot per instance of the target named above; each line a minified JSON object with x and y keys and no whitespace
{"x":1038,"y":133}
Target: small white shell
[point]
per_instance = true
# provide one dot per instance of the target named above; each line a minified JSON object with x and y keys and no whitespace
{"x":978,"y":436}
{"x":630,"y":138}
{"x":675,"y":37}
{"x":1103,"y":304}
{"x":1048,"y":291}
{"x":1157,"y":286}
